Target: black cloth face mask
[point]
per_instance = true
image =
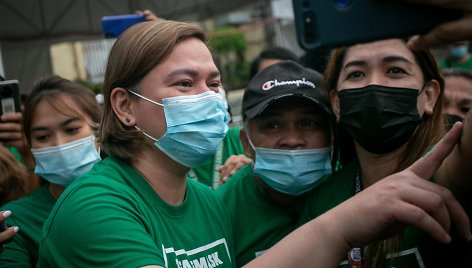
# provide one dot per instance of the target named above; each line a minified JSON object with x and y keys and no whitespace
{"x":379,"y":118}
{"x":451,"y":119}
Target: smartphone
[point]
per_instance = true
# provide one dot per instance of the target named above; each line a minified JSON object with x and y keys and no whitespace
{"x":335,"y":23}
{"x":113,"y":26}
{"x":9,"y":97}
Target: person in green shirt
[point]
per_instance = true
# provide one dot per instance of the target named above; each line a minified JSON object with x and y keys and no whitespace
{"x":136,"y":208}
{"x":60,"y":121}
{"x":388,"y":101}
{"x":162,"y":115}
{"x":458,"y":56}
{"x":287,"y":131}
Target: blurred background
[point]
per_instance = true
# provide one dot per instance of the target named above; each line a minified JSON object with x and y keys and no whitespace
{"x":65,"y":37}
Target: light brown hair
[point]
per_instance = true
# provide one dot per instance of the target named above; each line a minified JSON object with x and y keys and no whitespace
{"x":135,"y":53}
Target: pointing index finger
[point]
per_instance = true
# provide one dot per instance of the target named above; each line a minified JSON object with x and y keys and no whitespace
{"x":427,"y":165}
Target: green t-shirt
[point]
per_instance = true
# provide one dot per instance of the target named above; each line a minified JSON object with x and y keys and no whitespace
{"x":28,"y":213}
{"x":446,"y":63}
{"x":16,"y":153}
{"x":257,"y":223}
{"x":111,"y":217}
{"x":207,"y":173}
{"x":417,"y":248}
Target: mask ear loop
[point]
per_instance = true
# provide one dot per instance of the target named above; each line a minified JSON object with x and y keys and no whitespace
{"x":424,"y":86}
{"x":246,"y":132}
{"x":144,"y":98}
{"x":422,"y":89}
{"x":151,"y":101}
{"x":145,"y":134}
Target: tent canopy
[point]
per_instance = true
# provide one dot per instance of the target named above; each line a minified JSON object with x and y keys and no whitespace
{"x":29,"y":27}
{"x":57,"y":20}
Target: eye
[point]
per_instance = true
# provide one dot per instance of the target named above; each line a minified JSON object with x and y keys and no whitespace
{"x":354,"y":74}
{"x":465,"y":109}
{"x":396,"y":71}
{"x":271,"y":125}
{"x":184,"y":83}
{"x":215,"y":85}
{"x":72,"y":130}
{"x":312,"y":124}
{"x":41,"y":138}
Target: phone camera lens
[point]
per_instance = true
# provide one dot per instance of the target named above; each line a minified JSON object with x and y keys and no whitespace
{"x":343,"y":3}
{"x":7,"y":91}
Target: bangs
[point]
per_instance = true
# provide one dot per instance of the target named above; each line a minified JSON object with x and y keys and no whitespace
{"x":62,"y":104}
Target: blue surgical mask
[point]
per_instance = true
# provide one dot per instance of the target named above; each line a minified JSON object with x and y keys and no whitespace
{"x":292,"y":172}
{"x":64,"y":163}
{"x":458,"y":52}
{"x":196,"y":125}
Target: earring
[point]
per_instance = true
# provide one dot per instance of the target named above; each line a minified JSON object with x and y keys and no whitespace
{"x":127,"y":121}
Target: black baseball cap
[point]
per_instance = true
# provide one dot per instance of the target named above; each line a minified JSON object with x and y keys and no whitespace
{"x":280,"y":80}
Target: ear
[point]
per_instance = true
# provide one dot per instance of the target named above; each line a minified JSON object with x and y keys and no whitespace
{"x":431,"y":93}
{"x":121,"y":104}
{"x":333,"y":97}
{"x":248,"y":151}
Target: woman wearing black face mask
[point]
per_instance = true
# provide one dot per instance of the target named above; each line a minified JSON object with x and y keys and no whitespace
{"x":388,"y":103}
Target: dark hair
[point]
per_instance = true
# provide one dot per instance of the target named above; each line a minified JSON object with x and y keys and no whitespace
{"x":277,"y":53}
{"x":430,"y":129}
{"x":51,"y":89}
{"x":429,"y":132}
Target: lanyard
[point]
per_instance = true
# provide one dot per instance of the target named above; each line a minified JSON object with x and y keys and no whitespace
{"x":218,"y":161}
{"x":216,"y":165}
{"x":354,"y":256}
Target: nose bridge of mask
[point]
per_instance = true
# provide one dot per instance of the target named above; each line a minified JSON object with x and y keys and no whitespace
{"x":64,"y":147}
{"x":377,"y":97}
{"x":322,"y":150}
{"x":182,"y":110}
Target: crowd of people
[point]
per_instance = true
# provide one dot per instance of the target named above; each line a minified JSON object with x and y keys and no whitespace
{"x":367,"y":164}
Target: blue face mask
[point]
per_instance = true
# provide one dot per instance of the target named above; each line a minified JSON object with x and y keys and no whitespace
{"x":458,"y":52}
{"x":64,"y":163}
{"x":196,"y":125}
{"x":292,"y":172}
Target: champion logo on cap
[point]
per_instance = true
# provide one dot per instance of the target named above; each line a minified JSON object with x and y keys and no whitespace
{"x":274,"y":83}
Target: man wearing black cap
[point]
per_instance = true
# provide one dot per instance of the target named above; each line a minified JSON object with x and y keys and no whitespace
{"x":287,"y":132}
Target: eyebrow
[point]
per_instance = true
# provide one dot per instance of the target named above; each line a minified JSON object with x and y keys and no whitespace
{"x":190,"y":72}
{"x":65,"y":123}
{"x":387,"y":59}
